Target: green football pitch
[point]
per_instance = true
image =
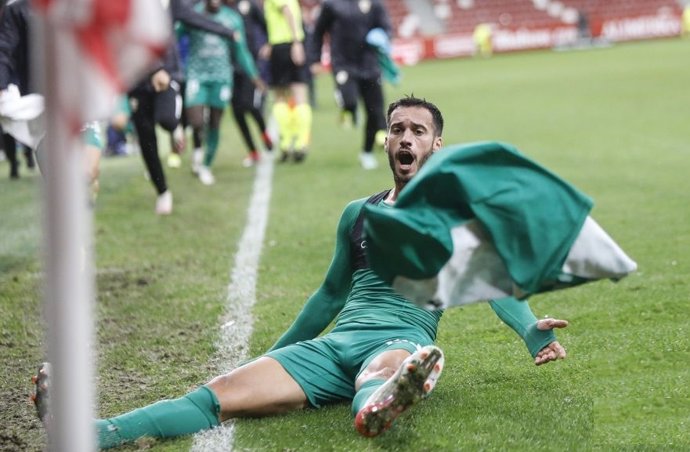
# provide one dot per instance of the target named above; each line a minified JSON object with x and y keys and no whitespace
{"x":613,"y":122}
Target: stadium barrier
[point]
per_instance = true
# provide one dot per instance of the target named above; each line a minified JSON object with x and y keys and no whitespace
{"x":665,"y":24}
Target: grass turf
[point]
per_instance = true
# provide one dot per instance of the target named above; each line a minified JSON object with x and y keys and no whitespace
{"x":610,"y":121}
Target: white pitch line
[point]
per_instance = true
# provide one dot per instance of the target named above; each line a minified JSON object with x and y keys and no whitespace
{"x":237,"y":323}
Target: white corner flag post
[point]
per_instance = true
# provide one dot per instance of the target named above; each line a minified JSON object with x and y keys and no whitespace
{"x":86,"y":53}
{"x":68,"y":292}
{"x":68,"y":265}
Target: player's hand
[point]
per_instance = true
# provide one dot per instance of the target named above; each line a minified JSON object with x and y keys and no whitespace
{"x":297,"y":53}
{"x":160,"y":80}
{"x":317,"y":68}
{"x":554,"y":350}
{"x":265,"y":51}
{"x":260,"y":84}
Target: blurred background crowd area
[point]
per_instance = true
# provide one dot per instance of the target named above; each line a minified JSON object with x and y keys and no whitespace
{"x":429,"y":29}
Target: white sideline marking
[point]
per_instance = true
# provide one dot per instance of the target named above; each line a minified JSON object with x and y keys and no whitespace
{"x":237,"y":321}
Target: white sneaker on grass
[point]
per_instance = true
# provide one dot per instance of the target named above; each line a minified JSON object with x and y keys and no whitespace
{"x":413,"y":381}
{"x":251,"y":159}
{"x":206,"y":176}
{"x":368,"y":161}
{"x":197,"y":160}
{"x":164,"y":203}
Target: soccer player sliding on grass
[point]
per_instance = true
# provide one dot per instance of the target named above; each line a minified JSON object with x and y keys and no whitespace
{"x":380,"y":354}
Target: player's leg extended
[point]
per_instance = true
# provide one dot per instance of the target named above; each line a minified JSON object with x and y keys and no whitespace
{"x":194,"y":102}
{"x":379,"y":402}
{"x":258,"y":388}
{"x":194,"y":412}
{"x":10,"y":146}
{"x":381,"y":368}
{"x":238,"y":114}
{"x":145,"y":126}
{"x":195,"y":117}
{"x":212,"y":135}
{"x":283,"y":116}
{"x":302,"y":117}
{"x":219,"y":94}
{"x":372,"y":95}
{"x":347,"y":97}
{"x":257,"y":112}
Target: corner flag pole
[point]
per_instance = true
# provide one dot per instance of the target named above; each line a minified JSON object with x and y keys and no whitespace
{"x":68,"y":263}
{"x":91,"y":51}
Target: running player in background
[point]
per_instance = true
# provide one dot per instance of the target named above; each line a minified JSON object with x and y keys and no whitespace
{"x":209,"y":78}
{"x":246,"y":98}
{"x":355,"y":64}
{"x":289,"y":77}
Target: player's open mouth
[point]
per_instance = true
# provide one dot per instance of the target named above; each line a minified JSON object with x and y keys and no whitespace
{"x":405,"y":158}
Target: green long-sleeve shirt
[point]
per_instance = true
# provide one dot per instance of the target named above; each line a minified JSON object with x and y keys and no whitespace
{"x":357,"y":295}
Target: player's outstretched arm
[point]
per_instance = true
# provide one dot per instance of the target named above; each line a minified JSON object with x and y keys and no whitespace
{"x":325,"y":304}
{"x":537,"y":334}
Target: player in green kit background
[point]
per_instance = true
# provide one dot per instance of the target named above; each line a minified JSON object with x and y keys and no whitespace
{"x":209,"y":78}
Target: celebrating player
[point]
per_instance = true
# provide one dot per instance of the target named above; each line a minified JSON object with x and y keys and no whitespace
{"x":380,"y":354}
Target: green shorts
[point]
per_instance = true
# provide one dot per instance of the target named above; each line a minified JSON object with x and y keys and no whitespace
{"x":326,"y":367}
{"x":211,"y":94}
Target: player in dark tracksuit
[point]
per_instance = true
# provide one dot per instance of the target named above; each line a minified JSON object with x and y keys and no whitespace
{"x":354,"y":63}
{"x":247,"y":98}
{"x":14,"y":46}
{"x":153,"y":103}
{"x":15,"y":67}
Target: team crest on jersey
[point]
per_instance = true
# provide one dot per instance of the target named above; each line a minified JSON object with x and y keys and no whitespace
{"x":365,"y":6}
{"x":243,"y":6}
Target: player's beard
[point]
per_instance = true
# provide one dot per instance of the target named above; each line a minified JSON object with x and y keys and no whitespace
{"x":405,"y":178}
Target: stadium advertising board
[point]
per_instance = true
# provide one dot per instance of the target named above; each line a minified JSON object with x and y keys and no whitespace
{"x":409,"y":51}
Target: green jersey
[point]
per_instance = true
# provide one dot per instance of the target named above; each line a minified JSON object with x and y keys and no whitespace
{"x":356,"y":297}
{"x":355,"y":294}
{"x":211,"y":55}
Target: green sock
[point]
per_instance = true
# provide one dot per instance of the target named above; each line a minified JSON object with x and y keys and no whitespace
{"x":212,"y":138}
{"x":365,"y":391}
{"x":192,"y":413}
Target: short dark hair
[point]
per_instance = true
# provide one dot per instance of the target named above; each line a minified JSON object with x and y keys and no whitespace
{"x":412,"y":101}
